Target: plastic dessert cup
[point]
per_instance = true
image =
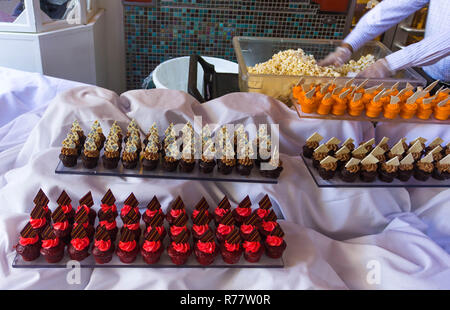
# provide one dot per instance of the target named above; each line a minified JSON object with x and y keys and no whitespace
{"x":374,"y":109}
{"x":442,"y":113}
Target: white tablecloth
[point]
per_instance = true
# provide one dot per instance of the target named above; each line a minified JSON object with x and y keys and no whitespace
{"x":337,"y":238}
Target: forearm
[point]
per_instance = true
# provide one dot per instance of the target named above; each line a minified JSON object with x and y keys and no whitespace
{"x":424,"y":53}
{"x":379,"y":19}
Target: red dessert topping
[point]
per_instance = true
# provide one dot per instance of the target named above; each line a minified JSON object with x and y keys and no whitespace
{"x":50,"y":243}
{"x":246,"y":229}
{"x":67,"y":208}
{"x":274,"y":240}
{"x":106,"y":208}
{"x":103,"y":245}
{"x":221,"y":212}
{"x":251,"y":246}
{"x":177,"y":212}
{"x":231,"y":247}
{"x":159,"y":229}
{"x":80,"y":243}
{"x":224,"y":229}
{"x":151,"y":213}
{"x":85,"y":207}
{"x":132,"y":226}
{"x":37,"y":223}
{"x":176,"y":230}
{"x":127,"y":246}
{"x":269,"y":226}
{"x":243,"y":211}
{"x":262,"y":213}
{"x":27,"y":241}
{"x":206,"y":247}
{"x":200,"y":229}
{"x":61,"y":225}
{"x":151,"y":246}
{"x":181,"y":247}
{"x":126,"y":209}
{"x":85,"y":225}
{"x":108,"y":225}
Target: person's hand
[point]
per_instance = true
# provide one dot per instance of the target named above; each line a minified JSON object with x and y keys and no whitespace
{"x":337,"y":58}
{"x":380,"y":69}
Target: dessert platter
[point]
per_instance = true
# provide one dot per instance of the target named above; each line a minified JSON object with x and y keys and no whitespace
{"x":371,"y":164}
{"x":227,"y":237}
{"x":231,"y":158}
{"x":378,"y":103}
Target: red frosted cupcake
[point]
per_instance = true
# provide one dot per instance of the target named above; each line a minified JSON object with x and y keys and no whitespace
{"x":128,"y":248}
{"x":61,"y":225}
{"x":200,"y":224}
{"x":107,"y":220}
{"x":153,"y":208}
{"x":157,"y":222}
{"x":103,"y":247}
{"x":179,"y":249}
{"x":152,"y":247}
{"x":225,"y":227}
{"x":86,"y":203}
{"x":223,"y":208}
{"x":243,"y":211}
{"x":206,"y":249}
{"x":176,"y":209}
{"x":275,"y":244}
{"x":251,"y":224}
{"x":64,"y":202}
{"x":129,"y":204}
{"x":131,"y":222}
{"x":179,"y":225}
{"x":41,"y":200}
{"x":108,"y":204}
{"x":231,"y":249}
{"x":52,"y":247}
{"x":268,"y":224}
{"x":79,"y":244}
{"x":38,"y":219}
{"x":264,"y":206}
{"x":29,"y":243}
{"x":201,"y":206}
{"x":81,"y":218}
{"x":253,"y":248}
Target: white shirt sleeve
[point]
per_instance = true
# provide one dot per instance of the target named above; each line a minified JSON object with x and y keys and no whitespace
{"x":382,"y":17}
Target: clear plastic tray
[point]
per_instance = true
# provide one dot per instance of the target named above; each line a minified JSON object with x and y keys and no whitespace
{"x":337,"y":182}
{"x":253,"y":50}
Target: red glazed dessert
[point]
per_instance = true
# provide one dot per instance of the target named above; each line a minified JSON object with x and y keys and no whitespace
{"x":231,"y":249}
{"x":275,"y":244}
{"x":41,"y":200}
{"x":64,"y":202}
{"x":152,"y":247}
{"x":201,"y":206}
{"x":157,"y":222}
{"x":128,"y":248}
{"x":264,"y":206}
{"x":243,"y":211}
{"x":52,"y":247}
{"x":61,"y":225}
{"x":178,"y":226}
{"x":81,"y":218}
{"x":107,"y":220}
{"x":79,"y":244}
{"x":206,"y":249}
{"x":250,"y":225}
{"x":103,"y":247}
{"x":200,"y":224}
{"x":223,"y":208}
{"x":131,"y":222}
{"x":86,"y":203}
{"x":38,"y":219}
{"x":130,"y":203}
{"x":253,"y":249}
{"x":179,"y":249}
{"x":108,"y":204}
{"x":176,"y":209}
{"x":225,"y":227}
{"x":29,"y":243}
{"x":268,"y":224}
{"x":153,"y":208}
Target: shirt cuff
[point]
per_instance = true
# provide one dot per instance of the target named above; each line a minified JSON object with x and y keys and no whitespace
{"x":397,"y":60}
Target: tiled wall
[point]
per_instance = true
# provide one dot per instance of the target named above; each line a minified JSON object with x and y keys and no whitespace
{"x":162,"y":29}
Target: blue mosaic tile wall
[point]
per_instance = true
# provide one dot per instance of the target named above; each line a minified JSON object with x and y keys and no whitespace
{"x":163,"y":29}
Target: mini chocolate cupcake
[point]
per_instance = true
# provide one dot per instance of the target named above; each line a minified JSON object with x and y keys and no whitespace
{"x":151,"y":156}
{"x":128,"y":248}
{"x":176,"y":208}
{"x":81,"y":219}
{"x":130,"y":156}
{"x":153,"y":208}
{"x":153,"y":135}
{"x":87,"y":201}
{"x":90,"y":153}
{"x":268,"y":224}
{"x":201,"y":206}
{"x":262,"y":145}
{"x":437,"y":153}
{"x":207,"y":162}
{"x":76,"y":128}
{"x":187,"y":161}
{"x":424,"y":167}
{"x":388,"y":170}
{"x":131,"y":222}
{"x":226,"y":226}
{"x":343,"y":156}
{"x":442,"y":169}
{"x":157,"y":222}
{"x":111,"y":155}
{"x":64,"y":202}
{"x":103,"y":246}
{"x":264,"y":208}
{"x":378,"y":153}
{"x":222,"y":209}
{"x":244,"y":154}
{"x":360,"y":152}
{"x":348,"y":143}
{"x":368,"y":145}
{"x":100,"y":137}
{"x":206,"y":249}
{"x":152,"y":248}
{"x":200,"y":224}
{"x":311,"y":144}
{"x":350,"y":172}
{"x":319,"y":153}
{"x":275,"y":243}
{"x":29,"y":244}
{"x":179,"y":225}
{"x":108,"y":204}
{"x":416,"y":150}
{"x":62,"y":227}
{"x":328,"y":167}
{"x":406,"y":168}
{"x":52,"y":247}
{"x":369,"y":167}
{"x":179,"y":249}
{"x":231,"y":249}
{"x":243,"y":210}
{"x":273,"y":168}
{"x":108,"y":221}
{"x":253,"y":248}
{"x":69,"y":153}
{"x":79,"y":244}
{"x":226,"y":163}
{"x":38,"y":219}
{"x":135,"y":139}
{"x":130,"y":203}
{"x":332,"y":145}
{"x":397,"y":150}
{"x":421,"y":143}
{"x":250,"y":224}
{"x":171,"y":157}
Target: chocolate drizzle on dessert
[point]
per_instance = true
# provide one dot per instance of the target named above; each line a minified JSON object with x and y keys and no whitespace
{"x":182,"y":237}
{"x":202,"y":205}
{"x":265,"y":203}
{"x":156,"y":220}
{"x":64,"y":199}
{"x":271,"y":217}
{"x":131,"y":201}
{"x":245,"y":203}
{"x":28,"y":231}
{"x":109,"y":198}
{"x":58,"y":216}
{"x":106,"y":216}
{"x":87,"y":200}
{"x":177,"y":204}
{"x":202,"y":218}
{"x":127,"y":235}
{"x":254,"y":236}
{"x":207,"y":236}
{"x":227,"y":219}
{"x":152,"y":235}
{"x":81,"y":216}
{"x":278,"y":232}
{"x":181,"y":220}
{"x":154,"y":204}
{"x":252,"y":219}
{"x":132,"y":217}
{"x":38,"y":212}
{"x":233,"y":237}
{"x":41,"y":199}
{"x":48,"y":233}
{"x":102,"y":234}
{"x":224,"y":203}
{"x":78,"y":232}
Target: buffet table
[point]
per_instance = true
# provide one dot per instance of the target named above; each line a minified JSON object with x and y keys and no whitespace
{"x":336,"y":237}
